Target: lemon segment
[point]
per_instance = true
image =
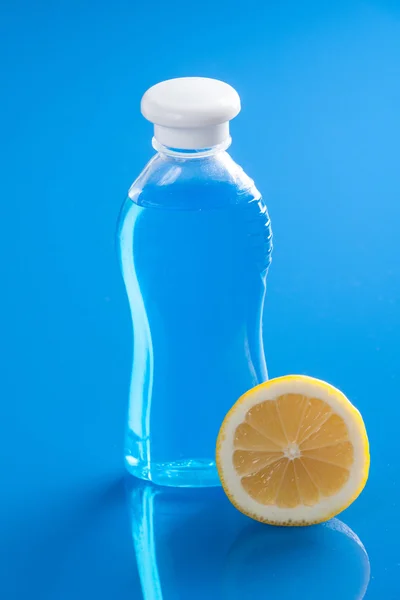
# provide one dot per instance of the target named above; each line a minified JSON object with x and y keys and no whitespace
{"x":293,"y":451}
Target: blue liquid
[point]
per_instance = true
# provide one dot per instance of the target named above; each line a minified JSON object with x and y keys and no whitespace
{"x":194,"y":261}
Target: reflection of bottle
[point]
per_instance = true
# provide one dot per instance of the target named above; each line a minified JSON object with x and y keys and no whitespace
{"x":181,"y":538}
{"x":326,"y":561}
{"x":194,"y":544}
{"x":195,"y":243}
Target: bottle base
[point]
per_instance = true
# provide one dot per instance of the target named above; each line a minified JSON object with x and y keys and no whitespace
{"x":187,"y":473}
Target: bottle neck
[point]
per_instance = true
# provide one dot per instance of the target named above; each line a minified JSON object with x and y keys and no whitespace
{"x":193,"y":138}
{"x":191,"y":153}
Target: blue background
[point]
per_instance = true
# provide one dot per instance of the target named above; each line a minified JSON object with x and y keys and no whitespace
{"x":319,"y":133}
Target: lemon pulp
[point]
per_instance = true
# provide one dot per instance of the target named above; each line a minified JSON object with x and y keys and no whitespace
{"x":291,"y":451}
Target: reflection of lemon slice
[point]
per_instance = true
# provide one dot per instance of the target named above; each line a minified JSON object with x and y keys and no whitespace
{"x":327,"y":562}
{"x":293,"y":451}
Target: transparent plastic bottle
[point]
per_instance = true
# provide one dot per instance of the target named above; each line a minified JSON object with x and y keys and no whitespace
{"x":195,"y":245}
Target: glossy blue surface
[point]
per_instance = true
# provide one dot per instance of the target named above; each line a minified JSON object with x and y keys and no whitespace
{"x":319,"y":133}
{"x":194,"y":544}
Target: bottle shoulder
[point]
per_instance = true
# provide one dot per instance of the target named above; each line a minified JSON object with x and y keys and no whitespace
{"x":193,"y":183}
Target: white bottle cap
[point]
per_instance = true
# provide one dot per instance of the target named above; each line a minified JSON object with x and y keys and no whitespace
{"x":191,"y":112}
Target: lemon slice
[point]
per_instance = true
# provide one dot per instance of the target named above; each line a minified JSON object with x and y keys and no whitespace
{"x":293,"y":451}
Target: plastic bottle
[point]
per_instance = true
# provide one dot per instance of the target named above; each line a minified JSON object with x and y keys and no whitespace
{"x":195,"y":244}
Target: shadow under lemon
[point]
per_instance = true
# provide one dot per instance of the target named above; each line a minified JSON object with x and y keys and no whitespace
{"x":195,"y":544}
